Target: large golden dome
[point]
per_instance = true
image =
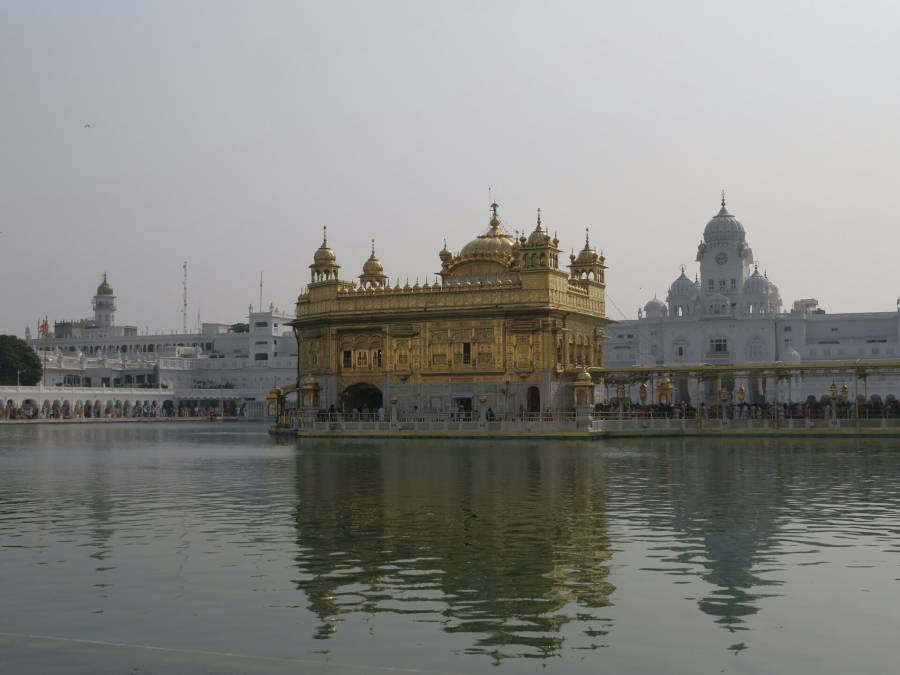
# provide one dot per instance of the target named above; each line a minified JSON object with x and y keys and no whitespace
{"x":495,"y":244}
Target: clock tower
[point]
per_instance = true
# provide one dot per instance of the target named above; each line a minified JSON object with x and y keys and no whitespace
{"x":725,"y":262}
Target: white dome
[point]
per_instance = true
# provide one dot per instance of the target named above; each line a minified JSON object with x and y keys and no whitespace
{"x":682,"y":287}
{"x":655,"y":309}
{"x":757,"y":284}
{"x":724,"y":227}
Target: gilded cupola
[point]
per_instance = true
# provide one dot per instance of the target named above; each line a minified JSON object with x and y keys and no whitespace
{"x":539,"y":251}
{"x":589,"y":264}
{"x":324,"y":267}
{"x":488,"y":255}
{"x":104,"y":288}
{"x":495,"y":243}
{"x":373,"y":272}
{"x":540,"y":236}
{"x":446,"y":255}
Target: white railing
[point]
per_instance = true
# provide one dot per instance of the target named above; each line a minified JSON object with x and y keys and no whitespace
{"x":437,"y":422}
{"x":87,"y":392}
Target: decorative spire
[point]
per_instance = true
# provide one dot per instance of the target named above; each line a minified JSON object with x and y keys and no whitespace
{"x":539,"y":218}
{"x":587,"y":238}
{"x":495,"y":219}
{"x":373,"y":247}
{"x":324,"y":236}
{"x":682,"y":269}
{"x":723,"y":198}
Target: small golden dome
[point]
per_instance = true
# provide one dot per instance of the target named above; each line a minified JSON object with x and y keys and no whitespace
{"x":583,"y":376}
{"x":324,"y":255}
{"x":540,"y":236}
{"x":373,"y":267}
{"x":587,"y":255}
{"x":104,"y":288}
{"x":445,"y":254}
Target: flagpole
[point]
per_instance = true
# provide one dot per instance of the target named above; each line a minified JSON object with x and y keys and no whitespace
{"x":46,"y":328}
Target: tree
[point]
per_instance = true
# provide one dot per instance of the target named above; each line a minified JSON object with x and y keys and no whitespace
{"x":16,"y":355}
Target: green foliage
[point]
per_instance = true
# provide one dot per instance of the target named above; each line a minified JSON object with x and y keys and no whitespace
{"x":240,"y":328}
{"x":15,"y":354}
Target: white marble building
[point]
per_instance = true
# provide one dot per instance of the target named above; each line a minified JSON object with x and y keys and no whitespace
{"x":248,"y":357}
{"x":732,"y":314}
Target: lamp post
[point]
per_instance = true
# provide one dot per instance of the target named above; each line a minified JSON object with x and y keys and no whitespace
{"x":19,"y":372}
{"x":833,"y":390}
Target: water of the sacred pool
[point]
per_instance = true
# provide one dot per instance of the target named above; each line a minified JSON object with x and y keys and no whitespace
{"x":211,"y":548}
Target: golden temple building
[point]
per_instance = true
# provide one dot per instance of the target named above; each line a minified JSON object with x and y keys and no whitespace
{"x":503,"y":328}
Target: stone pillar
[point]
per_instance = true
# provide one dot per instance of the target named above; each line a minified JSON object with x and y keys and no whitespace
{"x":583,"y":417}
{"x":308,"y":413}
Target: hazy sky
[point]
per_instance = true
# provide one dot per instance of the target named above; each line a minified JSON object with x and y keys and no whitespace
{"x":228,"y":133}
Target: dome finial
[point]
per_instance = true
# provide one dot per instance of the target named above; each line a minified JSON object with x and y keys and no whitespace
{"x":495,"y":219}
{"x":723,"y":198}
{"x":324,"y":235}
{"x":373,"y":247}
{"x":587,"y":238}
{"x":682,"y":268}
{"x":539,"y":218}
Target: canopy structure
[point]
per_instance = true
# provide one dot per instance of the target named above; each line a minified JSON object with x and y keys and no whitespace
{"x":757,"y":383}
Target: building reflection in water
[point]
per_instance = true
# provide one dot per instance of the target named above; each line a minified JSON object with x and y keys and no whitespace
{"x":728,"y":502}
{"x":507,"y":545}
{"x":511,"y":545}
{"x":737,"y":513}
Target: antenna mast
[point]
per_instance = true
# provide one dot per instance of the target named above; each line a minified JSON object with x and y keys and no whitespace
{"x":184,"y":299}
{"x":259,"y":307}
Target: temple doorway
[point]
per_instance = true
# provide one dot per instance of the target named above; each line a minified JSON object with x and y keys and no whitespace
{"x":533,"y":398}
{"x":363,"y":397}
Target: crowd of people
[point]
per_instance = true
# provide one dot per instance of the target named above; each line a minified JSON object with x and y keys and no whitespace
{"x":811,"y":408}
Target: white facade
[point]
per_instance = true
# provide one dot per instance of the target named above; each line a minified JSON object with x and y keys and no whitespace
{"x":250,"y":357}
{"x":732,"y":314}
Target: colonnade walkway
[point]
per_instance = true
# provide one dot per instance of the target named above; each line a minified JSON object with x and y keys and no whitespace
{"x":41,"y":402}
